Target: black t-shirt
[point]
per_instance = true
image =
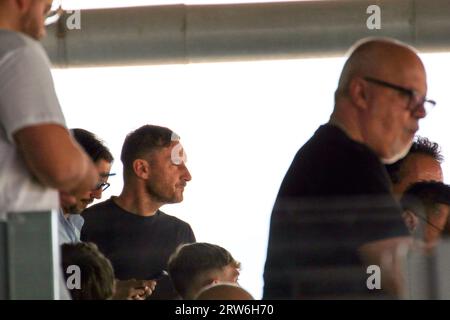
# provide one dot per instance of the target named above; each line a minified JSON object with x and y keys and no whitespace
{"x":335,"y":197}
{"x":138,"y":247}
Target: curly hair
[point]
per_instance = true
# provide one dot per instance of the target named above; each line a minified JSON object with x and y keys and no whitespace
{"x":420,"y":146}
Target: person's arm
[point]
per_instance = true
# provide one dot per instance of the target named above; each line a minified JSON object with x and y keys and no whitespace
{"x":389,"y":255}
{"x":55,"y":159}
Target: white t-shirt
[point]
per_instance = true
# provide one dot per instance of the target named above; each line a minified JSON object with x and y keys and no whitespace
{"x":27,"y":98}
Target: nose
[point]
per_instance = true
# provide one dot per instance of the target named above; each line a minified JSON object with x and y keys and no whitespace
{"x":187,"y":175}
{"x":419,"y":111}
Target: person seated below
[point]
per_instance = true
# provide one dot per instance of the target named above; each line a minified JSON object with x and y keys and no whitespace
{"x":88,"y":273}
{"x":197,"y":265}
{"x":224,"y":291}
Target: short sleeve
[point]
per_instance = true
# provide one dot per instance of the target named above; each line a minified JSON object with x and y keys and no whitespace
{"x":185,"y":233}
{"x":191,"y":235}
{"x":27,"y":94}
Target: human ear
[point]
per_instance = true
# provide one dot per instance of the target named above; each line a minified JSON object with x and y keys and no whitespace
{"x":141,"y":168}
{"x":357,"y":92}
{"x":410,"y":220}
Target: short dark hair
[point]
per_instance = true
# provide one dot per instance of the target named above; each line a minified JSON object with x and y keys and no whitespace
{"x":425,"y":194}
{"x":421,"y":145}
{"x":97,"y":274}
{"x":92,"y":145}
{"x":190,"y":262}
{"x":143,"y":141}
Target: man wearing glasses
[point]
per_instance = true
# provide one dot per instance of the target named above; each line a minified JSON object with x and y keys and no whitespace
{"x":70,"y":220}
{"x":426,"y":208}
{"x":335,"y":215}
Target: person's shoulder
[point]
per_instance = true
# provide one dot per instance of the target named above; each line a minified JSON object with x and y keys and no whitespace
{"x":173,"y":220}
{"x":98,"y":209}
{"x":180,"y":229}
{"x":334,"y":142}
{"x":12,"y":41}
{"x":331,"y":162}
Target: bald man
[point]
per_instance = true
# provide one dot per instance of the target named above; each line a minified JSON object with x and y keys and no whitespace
{"x":335,"y":214}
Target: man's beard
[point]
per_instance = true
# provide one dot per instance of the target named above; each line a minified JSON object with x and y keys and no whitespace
{"x":400,"y":155}
{"x":157,"y":196}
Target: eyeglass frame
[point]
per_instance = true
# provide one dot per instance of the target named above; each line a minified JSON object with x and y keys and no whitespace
{"x":104,"y":185}
{"x":413,"y":95}
{"x":425,"y":219}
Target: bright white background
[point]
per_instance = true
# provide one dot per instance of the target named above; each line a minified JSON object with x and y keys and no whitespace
{"x":240,"y":123}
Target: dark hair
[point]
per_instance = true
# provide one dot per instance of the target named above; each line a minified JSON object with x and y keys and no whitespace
{"x":420,"y":146}
{"x":97,"y":274}
{"x":192,"y":261}
{"x":422,"y":195}
{"x":143,"y":141}
{"x":93,"y":146}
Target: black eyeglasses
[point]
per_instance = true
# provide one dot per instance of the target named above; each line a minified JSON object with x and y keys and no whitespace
{"x":104,"y":185}
{"x":429,"y":223}
{"x":415,"y":100}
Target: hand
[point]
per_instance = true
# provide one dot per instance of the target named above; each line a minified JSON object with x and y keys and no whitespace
{"x":134,"y":289}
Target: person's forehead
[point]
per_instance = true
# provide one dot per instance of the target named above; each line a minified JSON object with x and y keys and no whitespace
{"x":231,"y":268}
{"x":175,"y":149}
{"x":103,"y":167}
{"x":413,"y":78}
{"x":442,"y":205}
{"x":168,"y":149}
{"x":437,"y":210}
{"x":102,"y":163}
{"x":402,"y":67}
{"x":444,"y":208}
{"x":174,"y":143}
{"x":423,"y":165}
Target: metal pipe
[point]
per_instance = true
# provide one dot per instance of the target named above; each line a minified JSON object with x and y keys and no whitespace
{"x":207,"y":33}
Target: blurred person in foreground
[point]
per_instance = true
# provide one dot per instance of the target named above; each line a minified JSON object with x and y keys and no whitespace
{"x":335,"y":214}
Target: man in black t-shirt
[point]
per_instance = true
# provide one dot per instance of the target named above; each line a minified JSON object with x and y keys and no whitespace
{"x":130,"y":229}
{"x":336,"y":228}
